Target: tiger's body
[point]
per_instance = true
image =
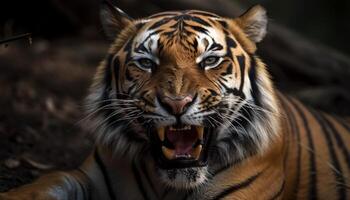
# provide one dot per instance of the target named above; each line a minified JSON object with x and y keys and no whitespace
{"x":183,"y":108}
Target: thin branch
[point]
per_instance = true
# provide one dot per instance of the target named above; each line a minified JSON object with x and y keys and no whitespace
{"x":17,"y":37}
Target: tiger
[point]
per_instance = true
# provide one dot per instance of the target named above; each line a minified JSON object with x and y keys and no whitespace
{"x":182,"y":107}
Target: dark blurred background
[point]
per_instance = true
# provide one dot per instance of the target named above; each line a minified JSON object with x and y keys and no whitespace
{"x":43,"y":83}
{"x":322,"y":21}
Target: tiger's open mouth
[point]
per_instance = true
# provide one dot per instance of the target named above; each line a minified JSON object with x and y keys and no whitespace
{"x":181,"y":146}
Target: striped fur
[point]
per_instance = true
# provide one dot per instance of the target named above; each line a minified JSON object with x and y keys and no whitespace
{"x":273,"y":147}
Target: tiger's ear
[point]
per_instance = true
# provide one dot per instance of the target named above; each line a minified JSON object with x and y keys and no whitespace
{"x":254,"y":23}
{"x":113,"y":19}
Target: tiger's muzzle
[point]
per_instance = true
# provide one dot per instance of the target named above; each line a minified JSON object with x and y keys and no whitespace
{"x":180,"y":145}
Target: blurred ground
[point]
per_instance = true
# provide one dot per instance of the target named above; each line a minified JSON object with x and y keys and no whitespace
{"x":42,"y":87}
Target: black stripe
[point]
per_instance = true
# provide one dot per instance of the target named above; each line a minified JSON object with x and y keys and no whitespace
{"x":199,"y":21}
{"x":160,"y":23}
{"x":241,"y":63}
{"x":199,"y":29}
{"x":116,"y":66}
{"x":150,"y":35}
{"x":237,"y":187}
{"x":141,"y":48}
{"x":223,"y":23}
{"x":85,"y":187}
{"x":339,"y":141}
{"x":344,"y":124}
{"x":105,"y":175}
{"x":105,"y":98}
{"x":312,"y":159}
{"x":230,"y":44}
{"x":341,"y":189}
{"x":137,"y":177}
{"x":288,"y":134}
{"x":127,"y":48}
{"x":255,"y":92}
{"x":215,"y":47}
{"x":279,"y":192}
{"x":233,"y":91}
{"x":228,"y":70}
{"x":295,"y":130}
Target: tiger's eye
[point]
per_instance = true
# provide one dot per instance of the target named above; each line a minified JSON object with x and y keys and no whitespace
{"x":146,"y":63}
{"x":210,"y":60}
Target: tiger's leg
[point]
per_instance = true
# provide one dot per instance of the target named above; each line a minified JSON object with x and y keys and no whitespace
{"x":87,"y":182}
{"x":59,"y":185}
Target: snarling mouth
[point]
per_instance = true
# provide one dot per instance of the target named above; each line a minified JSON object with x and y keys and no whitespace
{"x":181,"y":146}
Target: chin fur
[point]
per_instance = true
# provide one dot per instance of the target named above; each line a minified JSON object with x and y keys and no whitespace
{"x":184,"y":178}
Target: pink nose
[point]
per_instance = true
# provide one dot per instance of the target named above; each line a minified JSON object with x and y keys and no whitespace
{"x":178,"y":104}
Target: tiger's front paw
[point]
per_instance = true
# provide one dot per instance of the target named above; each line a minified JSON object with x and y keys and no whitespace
{"x":26,"y":194}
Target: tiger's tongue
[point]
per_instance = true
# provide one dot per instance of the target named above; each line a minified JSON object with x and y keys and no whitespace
{"x":182,"y":140}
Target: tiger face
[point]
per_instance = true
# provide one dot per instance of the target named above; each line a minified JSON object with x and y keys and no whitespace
{"x":186,"y":89}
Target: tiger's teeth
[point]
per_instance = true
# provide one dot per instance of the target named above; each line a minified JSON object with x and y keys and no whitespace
{"x":197,"y":152}
{"x":160,"y":132}
{"x":200,"y":131}
{"x":183,"y":156}
{"x":187,"y":127}
{"x":168,"y":153}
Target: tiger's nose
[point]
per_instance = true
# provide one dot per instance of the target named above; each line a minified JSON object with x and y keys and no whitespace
{"x":177,"y":105}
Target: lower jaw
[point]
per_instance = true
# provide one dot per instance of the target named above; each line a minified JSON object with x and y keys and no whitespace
{"x":184,"y":178}
{"x":180,"y":164}
{"x":184,"y":163}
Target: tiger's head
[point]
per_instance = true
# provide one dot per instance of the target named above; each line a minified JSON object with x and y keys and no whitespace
{"x":186,"y":89}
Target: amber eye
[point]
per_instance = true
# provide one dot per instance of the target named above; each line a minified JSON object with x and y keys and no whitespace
{"x":210,"y":62}
{"x":146,"y":64}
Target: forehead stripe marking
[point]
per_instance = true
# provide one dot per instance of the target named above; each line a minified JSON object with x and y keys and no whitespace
{"x":230,"y":43}
{"x":184,"y":17}
{"x":160,"y":23}
{"x":200,"y":29}
{"x":198,"y":20}
{"x":223,"y":24}
{"x":151,"y":34}
{"x":215,"y":47}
